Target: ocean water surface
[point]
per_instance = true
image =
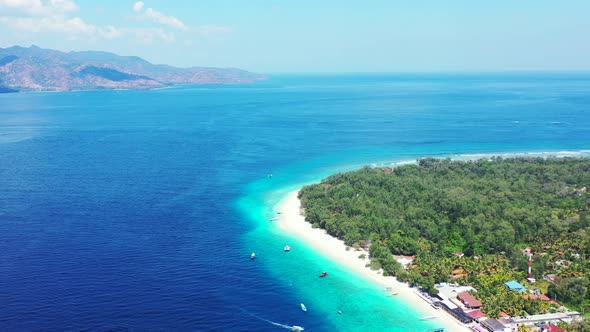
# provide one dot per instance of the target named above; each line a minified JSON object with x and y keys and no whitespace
{"x":138,"y":210}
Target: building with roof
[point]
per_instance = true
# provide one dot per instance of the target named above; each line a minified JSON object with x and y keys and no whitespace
{"x":494,"y":325}
{"x":404,"y":260}
{"x":461,"y":289}
{"x":552,"y":328}
{"x":469,"y":300}
{"x":550,"y":277}
{"x":514,"y":285}
{"x":555,"y":317}
{"x":477,"y":315}
{"x":455,"y":311}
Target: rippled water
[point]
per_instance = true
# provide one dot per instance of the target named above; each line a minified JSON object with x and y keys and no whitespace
{"x":137,"y":210}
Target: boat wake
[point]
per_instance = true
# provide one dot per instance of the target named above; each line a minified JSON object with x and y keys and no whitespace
{"x":288,"y":327}
{"x":285,"y":326}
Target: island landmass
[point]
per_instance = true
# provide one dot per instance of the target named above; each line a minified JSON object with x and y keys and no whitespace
{"x":37,"y":69}
{"x":493,"y":242}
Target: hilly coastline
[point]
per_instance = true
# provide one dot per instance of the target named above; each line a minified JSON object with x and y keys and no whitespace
{"x":37,"y":69}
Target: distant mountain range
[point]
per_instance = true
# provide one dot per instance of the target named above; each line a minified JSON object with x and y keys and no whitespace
{"x":37,"y":69}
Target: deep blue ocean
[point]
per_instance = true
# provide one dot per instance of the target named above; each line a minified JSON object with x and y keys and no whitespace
{"x":138,"y":210}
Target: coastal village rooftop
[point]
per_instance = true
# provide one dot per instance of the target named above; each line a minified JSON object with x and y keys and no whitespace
{"x":493,"y":325}
{"x":514,"y":285}
{"x":469,"y":301}
{"x":477,"y":314}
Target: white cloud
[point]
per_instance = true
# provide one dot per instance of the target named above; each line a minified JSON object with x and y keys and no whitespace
{"x":138,"y":6}
{"x":37,"y":7}
{"x":54,"y":16}
{"x":58,"y":24}
{"x":65,"y":6}
{"x":149,"y":35}
{"x":76,"y":28}
{"x":204,"y":31}
{"x":165,"y":19}
{"x":156,"y":16}
{"x":24,"y":18}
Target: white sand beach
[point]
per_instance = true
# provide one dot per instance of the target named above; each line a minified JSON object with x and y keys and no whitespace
{"x":293,"y":222}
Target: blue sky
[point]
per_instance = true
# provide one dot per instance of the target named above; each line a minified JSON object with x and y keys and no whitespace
{"x":314,"y":35}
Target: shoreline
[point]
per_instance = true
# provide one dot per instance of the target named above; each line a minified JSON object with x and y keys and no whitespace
{"x":290,"y":220}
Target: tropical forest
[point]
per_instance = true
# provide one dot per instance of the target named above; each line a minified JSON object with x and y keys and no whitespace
{"x":475,"y":222}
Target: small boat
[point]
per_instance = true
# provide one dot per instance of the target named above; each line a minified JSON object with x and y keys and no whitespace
{"x":287,"y":248}
{"x":340,"y":312}
{"x":428,"y":317}
{"x":394,"y":293}
{"x":297,"y":328}
{"x":253,"y":255}
{"x":303,"y":307}
{"x":323,"y":274}
{"x":274,"y":219}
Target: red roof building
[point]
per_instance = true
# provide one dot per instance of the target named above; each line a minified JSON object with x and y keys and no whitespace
{"x":469,"y":301}
{"x":476,"y":314}
{"x":552,"y":328}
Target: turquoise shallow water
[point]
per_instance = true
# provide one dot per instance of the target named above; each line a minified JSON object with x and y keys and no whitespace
{"x":138,"y":210}
{"x":365,"y":304}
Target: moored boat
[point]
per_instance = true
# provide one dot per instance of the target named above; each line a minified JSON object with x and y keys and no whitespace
{"x":253,"y":255}
{"x":303,"y":307}
{"x":287,"y":248}
{"x":323,"y":274}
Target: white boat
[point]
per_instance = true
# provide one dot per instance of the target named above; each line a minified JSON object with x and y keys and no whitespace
{"x":427,"y":317}
{"x":253,"y":255}
{"x":287,"y":248}
{"x":274,"y":219}
{"x":297,"y":328}
{"x":303,"y":307}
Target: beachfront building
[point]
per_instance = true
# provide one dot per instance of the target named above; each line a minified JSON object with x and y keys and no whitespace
{"x":514,"y":285}
{"x":455,"y":311}
{"x":477,"y":315}
{"x":469,"y":300}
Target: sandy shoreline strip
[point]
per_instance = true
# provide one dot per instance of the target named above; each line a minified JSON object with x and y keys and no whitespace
{"x":293,"y":222}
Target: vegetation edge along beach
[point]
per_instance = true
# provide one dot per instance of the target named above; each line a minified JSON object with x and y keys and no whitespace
{"x":474,"y":223}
